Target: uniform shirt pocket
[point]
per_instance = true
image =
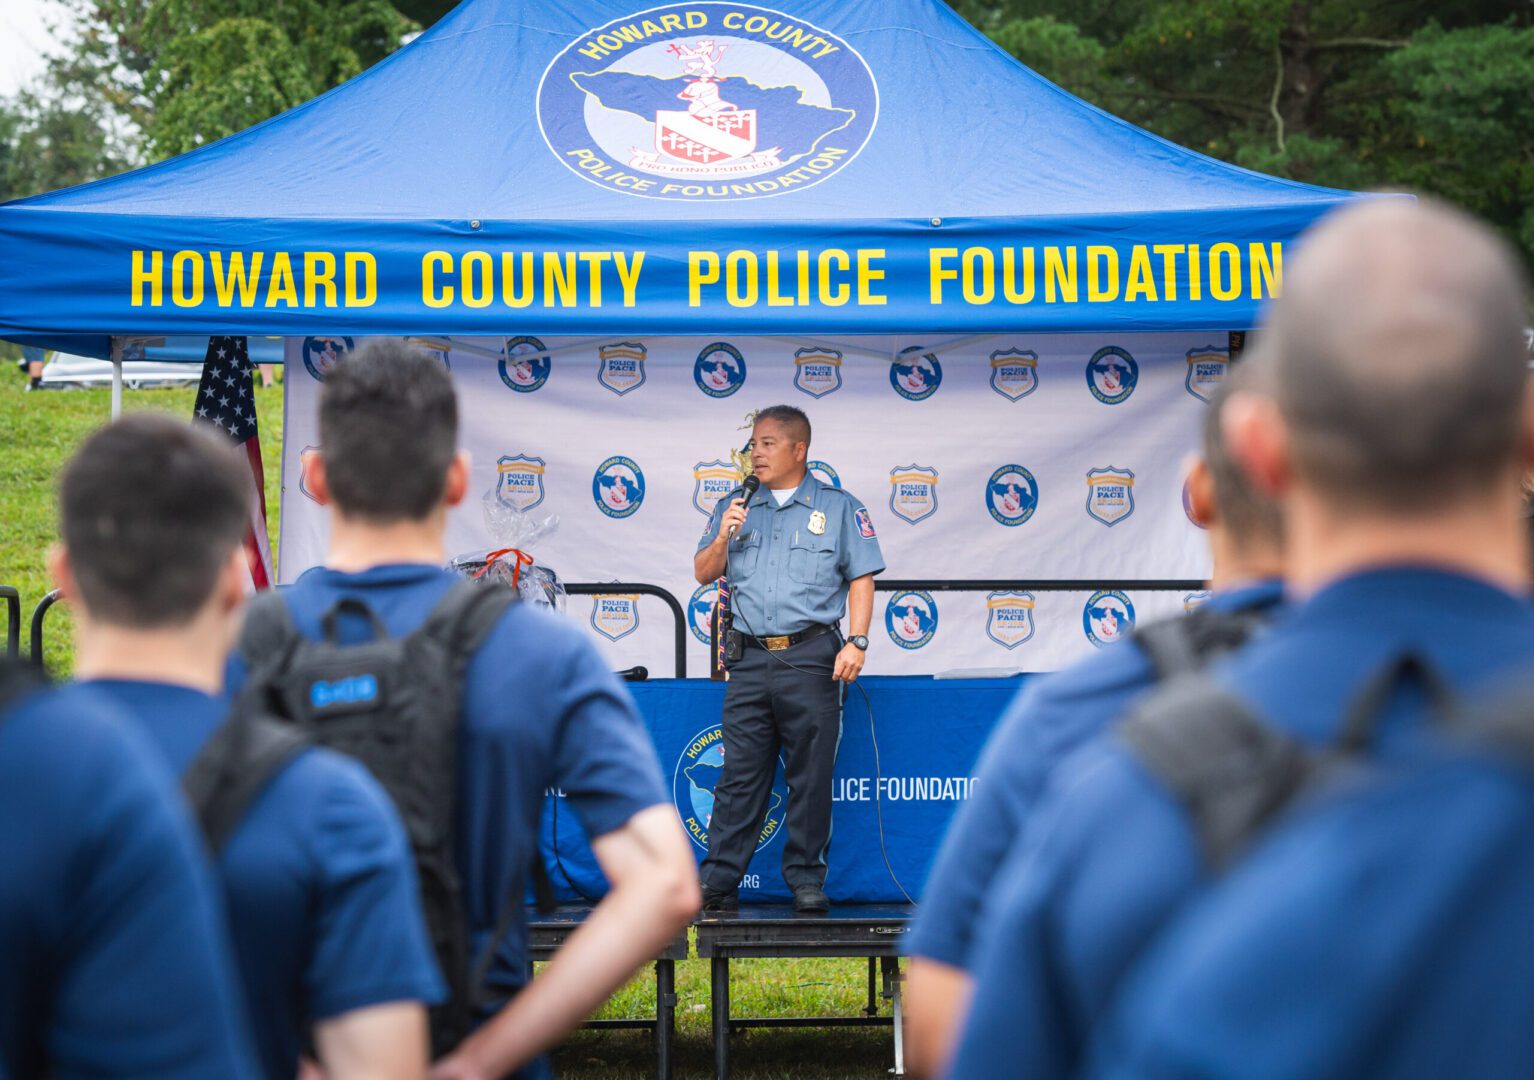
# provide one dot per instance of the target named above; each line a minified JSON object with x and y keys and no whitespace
{"x":812,"y":561}
{"x":744,"y":550}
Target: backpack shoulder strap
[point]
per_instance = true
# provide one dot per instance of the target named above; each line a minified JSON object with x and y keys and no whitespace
{"x":1231,"y":771}
{"x":1168,"y":644}
{"x":268,"y":634}
{"x":463,"y":619}
{"x":233,"y":767}
{"x":1503,"y":722}
{"x":1187,"y":643}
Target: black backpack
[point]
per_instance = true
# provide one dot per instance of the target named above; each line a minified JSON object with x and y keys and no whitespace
{"x":1187,"y":643}
{"x":393,"y":704}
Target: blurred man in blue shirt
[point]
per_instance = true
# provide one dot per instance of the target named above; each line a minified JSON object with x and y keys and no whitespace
{"x":318,"y":880}
{"x":116,"y":959}
{"x":1053,"y":716}
{"x":1391,"y":423}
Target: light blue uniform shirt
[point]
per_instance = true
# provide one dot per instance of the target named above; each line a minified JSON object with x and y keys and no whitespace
{"x":784,"y":575}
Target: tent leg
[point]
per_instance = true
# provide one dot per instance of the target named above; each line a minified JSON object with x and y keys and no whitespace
{"x":117,"y":377}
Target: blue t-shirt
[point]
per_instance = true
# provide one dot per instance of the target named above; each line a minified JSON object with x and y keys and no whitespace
{"x":1381,"y":933}
{"x":114,"y":959}
{"x":541,"y":710}
{"x":1048,"y":719}
{"x":318,"y":880}
{"x":1109,"y":855}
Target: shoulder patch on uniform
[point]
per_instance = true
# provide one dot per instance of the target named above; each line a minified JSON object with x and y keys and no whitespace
{"x":865,"y":523}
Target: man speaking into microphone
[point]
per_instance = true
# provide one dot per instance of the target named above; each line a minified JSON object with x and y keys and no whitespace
{"x":798,"y":555}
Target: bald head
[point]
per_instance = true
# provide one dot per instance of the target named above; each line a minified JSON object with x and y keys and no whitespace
{"x":1396,"y":356}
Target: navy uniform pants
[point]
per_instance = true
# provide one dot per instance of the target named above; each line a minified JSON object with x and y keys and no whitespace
{"x":771,"y":708}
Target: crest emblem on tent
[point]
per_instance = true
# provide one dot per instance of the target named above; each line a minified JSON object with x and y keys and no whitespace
{"x":1112,"y":375}
{"x":618,"y":487}
{"x":322,"y":353}
{"x":916,"y":375}
{"x":1107,"y":617}
{"x":911,"y":619}
{"x":700,"y":610}
{"x":913,"y":492}
{"x":622,"y":366}
{"x":1012,"y":495}
{"x":818,"y":372}
{"x":1206,"y":370}
{"x":303,"y":480}
{"x":712,"y":481}
{"x":1110,"y":494}
{"x":1009,"y":620}
{"x":1014,"y":372}
{"x":824,"y":473}
{"x":615,"y":616}
{"x":519,"y":481}
{"x":720,"y":369}
{"x":521,"y":367}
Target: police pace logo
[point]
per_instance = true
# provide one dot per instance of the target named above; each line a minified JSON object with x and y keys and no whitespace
{"x":720,"y":369}
{"x":1012,"y":495}
{"x":519,"y":481}
{"x":700,"y":610}
{"x":913,"y":492}
{"x":1112,"y":375}
{"x":615,"y":616}
{"x":916,"y":375}
{"x":1206,"y":370}
{"x":321,"y":354}
{"x":1014,"y":373}
{"x":818,"y":372}
{"x":1192,"y":601}
{"x":1107,"y":617}
{"x":521,"y":367}
{"x":622,"y":366}
{"x":303,"y":478}
{"x":824,"y":473}
{"x":1187,"y":504}
{"x":1110,"y":494}
{"x":618,"y":487}
{"x":911,"y":619}
{"x":698,"y":769}
{"x":712,"y":481}
{"x":1009,"y":622}
{"x":707,"y":101}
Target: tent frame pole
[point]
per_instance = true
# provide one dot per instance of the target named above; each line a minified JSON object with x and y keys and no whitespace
{"x":117,"y":377}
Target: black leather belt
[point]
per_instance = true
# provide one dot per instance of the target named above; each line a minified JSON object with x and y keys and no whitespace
{"x":784,"y":641}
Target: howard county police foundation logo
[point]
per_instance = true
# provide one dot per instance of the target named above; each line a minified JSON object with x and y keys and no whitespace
{"x":1014,"y":373}
{"x":707,"y":101}
{"x":700,"y":610}
{"x":618,"y":487}
{"x":698,"y":770}
{"x":824,"y":473}
{"x":303,"y":471}
{"x":521,"y":368}
{"x":620,"y":366}
{"x":913,"y":492}
{"x":1206,"y":370}
{"x":916,"y":375}
{"x":1009,"y":619}
{"x":1192,"y":601}
{"x":323,"y":353}
{"x":615,"y":616}
{"x":1112,"y":375}
{"x":712,"y":481}
{"x":720,"y":369}
{"x":1107,"y":617}
{"x":911,"y":619}
{"x":1110,"y":494}
{"x":818,"y":372}
{"x":519,"y":481}
{"x":1012,"y":495}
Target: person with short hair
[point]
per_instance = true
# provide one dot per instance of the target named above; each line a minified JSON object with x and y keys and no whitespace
{"x":1392,"y":422}
{"x":318,"y":880}
{"x":1054,"y":715}
{"x":539,"y":711}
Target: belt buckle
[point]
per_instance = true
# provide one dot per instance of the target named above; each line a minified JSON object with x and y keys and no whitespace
{"x":776,"y":644}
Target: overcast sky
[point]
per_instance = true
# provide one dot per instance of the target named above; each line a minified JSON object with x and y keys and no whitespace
{"x":25,"y":41}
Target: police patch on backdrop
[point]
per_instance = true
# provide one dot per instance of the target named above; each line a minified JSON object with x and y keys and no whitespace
{"x":1206,"y":370}
{"x":620,"y":367}
{"x":1012,"y":495}
{"x":618,"y":487}
{"x":1009,"y":618}
{"x":824,"y":473}
{"x":322,"y":353}
{"x":1014,"y":373}
{"x":1110,"y":494}
{"x":1112,"y":375}
{"x":698,"y":769}
{"x":1107,"y":617}
{"x":520,"y":373}
{"x":615,"y":616}
{"x":1195,"y":600}
{"x":519,"y":481}
{"x":303,"y":472}
{"x":712,"y":481}
{"x":913,"y":492}
{"x":911,"y":619}
{"x":700,"y":610}
{"x":707,"y":101}
{"x":916,"y":375}
{"x":720,"y":369}
{"x":817,"y":372}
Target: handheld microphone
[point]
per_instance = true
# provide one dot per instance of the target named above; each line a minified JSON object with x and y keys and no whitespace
{"x":748,"y":489}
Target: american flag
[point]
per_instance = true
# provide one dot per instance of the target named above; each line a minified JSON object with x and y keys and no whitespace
{"x":226,"y":398}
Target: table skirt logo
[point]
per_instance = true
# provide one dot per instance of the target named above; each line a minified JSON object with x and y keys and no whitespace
{"x":1112,"y":375}
{"x":1009,"y":619}
{"x":698,"y":769}
{"x":622,"y":366}
{"x":720,"y":369}
{"x":519,"y":481}
{"x":1206,"y":370}
{"x":700,"y":611}
{"x":618,"y":487}
{"x":615,"y":615}
{"x":916,"y":375}
{"x":1107,"y":617}
{"x":818,"y":372}
{"x":913,"y":492}
{"x":911,"y":619}
{"x":1014,"y":373}
{"x":323,"y":353}
{"x":1110,"y":494}
{"x":521,"y":367}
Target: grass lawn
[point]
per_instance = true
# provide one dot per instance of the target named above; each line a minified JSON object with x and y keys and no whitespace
{"x":38,"y":432}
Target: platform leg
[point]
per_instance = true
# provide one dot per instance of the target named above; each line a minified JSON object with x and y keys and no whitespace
{"x":665,"y":1016}
{"x":892,"y":979}
{"x":873,"y":988}
{"x":719,"y":979}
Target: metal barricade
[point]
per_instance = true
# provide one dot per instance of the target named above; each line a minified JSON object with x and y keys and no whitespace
{"x":604,"y":588}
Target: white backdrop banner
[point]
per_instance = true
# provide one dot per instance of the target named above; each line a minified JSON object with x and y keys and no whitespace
{"x":995,"y":457}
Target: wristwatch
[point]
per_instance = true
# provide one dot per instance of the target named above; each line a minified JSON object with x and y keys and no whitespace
{"x":860,"y":640}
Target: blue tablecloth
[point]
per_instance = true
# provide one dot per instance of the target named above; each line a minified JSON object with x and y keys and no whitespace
{"x":929,"y":733}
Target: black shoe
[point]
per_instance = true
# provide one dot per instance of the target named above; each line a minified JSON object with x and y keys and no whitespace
{"x":719,"y":900}
{"x":811,"y":900}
